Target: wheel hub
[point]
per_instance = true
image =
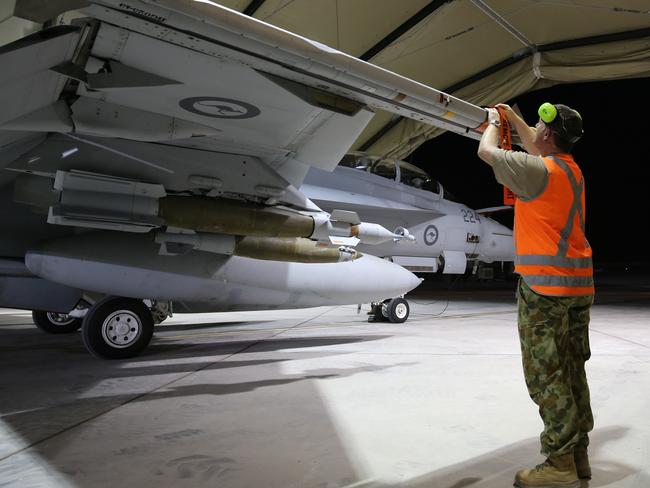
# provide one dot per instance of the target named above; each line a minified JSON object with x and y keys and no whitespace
{"x":401,"y":310}
{"x":60,"y":318}
{"x":121,"y":329}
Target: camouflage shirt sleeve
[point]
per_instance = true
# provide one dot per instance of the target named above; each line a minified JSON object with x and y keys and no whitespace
{"x":523,"y":173}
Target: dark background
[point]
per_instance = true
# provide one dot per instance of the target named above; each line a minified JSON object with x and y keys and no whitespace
{"x":614,"y":156}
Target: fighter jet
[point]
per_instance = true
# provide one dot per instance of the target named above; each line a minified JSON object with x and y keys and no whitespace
{"x":150,"y":158}
{"x":447,"y":235}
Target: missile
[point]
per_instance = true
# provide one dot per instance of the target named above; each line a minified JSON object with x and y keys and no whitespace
{"x":226,"y":216}
{"x":104,"y":202}
{"x":299,"y":250}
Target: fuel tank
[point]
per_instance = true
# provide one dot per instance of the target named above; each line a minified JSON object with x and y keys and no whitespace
{"x":130,"y":265}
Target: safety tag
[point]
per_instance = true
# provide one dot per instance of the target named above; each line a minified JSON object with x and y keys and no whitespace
{"x":505,"y":142}
{"x":509,"y":198}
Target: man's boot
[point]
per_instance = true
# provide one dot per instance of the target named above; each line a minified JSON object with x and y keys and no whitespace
{"x":555,"y":472}
{"x":582,"y":463}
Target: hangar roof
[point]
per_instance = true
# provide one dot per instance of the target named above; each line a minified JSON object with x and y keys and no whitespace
{"x":483,"y":51}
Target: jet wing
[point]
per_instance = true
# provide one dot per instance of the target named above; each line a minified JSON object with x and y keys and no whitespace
{"x":198,"y":75}
{"x":27,"y":86}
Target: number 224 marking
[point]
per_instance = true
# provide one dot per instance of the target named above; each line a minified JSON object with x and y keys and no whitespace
{"x":470,"y":215}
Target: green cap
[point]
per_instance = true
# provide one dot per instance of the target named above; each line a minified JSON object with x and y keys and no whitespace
{"x":564,"y":121}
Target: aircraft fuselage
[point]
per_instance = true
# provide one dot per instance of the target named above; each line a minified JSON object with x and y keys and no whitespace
{"x":442,"y":227}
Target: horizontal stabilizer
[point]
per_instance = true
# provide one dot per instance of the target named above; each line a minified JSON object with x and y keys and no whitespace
{"x":491,"y":210}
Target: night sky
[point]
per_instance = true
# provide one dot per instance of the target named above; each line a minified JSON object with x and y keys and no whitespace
{"x":614,"y":156}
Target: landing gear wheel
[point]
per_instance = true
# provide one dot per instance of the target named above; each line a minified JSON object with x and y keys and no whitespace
{"x":395,"y":310}
{"x":55,"y":323}
{"x":117,"y":328}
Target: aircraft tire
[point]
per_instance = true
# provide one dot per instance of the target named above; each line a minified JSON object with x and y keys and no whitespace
{"x":117,"y":328}
{"x":55,"y":323}
{"x":396,"y":310}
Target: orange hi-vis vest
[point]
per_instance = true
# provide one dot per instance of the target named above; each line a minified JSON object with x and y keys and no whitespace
{"x":552,"y":254}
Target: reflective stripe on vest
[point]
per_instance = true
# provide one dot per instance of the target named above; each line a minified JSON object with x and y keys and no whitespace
{"x":571,"y":279}
{"x":552,"y":280}
{"x":559,"y":261}
{"x":575,"y":207}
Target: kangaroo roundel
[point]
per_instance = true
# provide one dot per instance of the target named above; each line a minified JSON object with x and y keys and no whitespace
{"x":220,"y":108}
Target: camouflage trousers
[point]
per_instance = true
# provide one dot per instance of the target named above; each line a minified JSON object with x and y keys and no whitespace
{"x":554,"y":337}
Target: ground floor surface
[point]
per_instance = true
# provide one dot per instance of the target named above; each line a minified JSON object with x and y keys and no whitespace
{"x":315,"y":398}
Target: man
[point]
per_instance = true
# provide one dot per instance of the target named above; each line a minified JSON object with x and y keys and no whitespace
{"x":555,"y":290}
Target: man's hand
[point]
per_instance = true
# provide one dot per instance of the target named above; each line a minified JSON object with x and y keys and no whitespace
{"x":494,"y":117}
{"x":510,"y":114}
{"x":526,"y":133}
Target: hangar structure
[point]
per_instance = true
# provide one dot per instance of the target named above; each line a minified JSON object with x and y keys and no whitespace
{"x":480,"y":51}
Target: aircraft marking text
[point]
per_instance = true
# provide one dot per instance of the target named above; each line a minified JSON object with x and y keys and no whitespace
{"x":470,"y":216}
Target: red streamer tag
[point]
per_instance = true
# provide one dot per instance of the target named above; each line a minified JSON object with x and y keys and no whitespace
{"x":505,"y":142}
{"x":509,"y":198}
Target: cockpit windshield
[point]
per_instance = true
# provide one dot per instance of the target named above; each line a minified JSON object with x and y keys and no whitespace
{"x":413,"y":176}
{"x":388,"y":168}
{"x":356,"y":161}
{"x":384,"y":168}
{"x":372,"y":164}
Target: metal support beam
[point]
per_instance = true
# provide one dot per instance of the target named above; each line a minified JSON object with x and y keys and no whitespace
{"x":399,"y":31}
{"x":554,"y":46}
{"x":253,"y":7}
{"x":494,"y":15}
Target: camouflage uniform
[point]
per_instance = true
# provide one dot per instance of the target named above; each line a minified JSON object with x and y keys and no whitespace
{"x":554,"y":336}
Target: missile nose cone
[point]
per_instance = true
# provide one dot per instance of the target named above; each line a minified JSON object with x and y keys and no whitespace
{"x":415,"y":281}
{"x":387,"y":279}
{"x":409,"y":280}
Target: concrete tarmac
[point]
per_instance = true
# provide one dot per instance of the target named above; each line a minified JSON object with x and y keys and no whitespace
{"x":315,"y":398}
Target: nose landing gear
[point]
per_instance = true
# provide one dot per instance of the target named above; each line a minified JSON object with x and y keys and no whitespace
{"x":394,"y":310}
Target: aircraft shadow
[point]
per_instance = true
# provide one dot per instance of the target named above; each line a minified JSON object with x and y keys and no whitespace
{"x":205,"y":325}
{"x":37,"y":423}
